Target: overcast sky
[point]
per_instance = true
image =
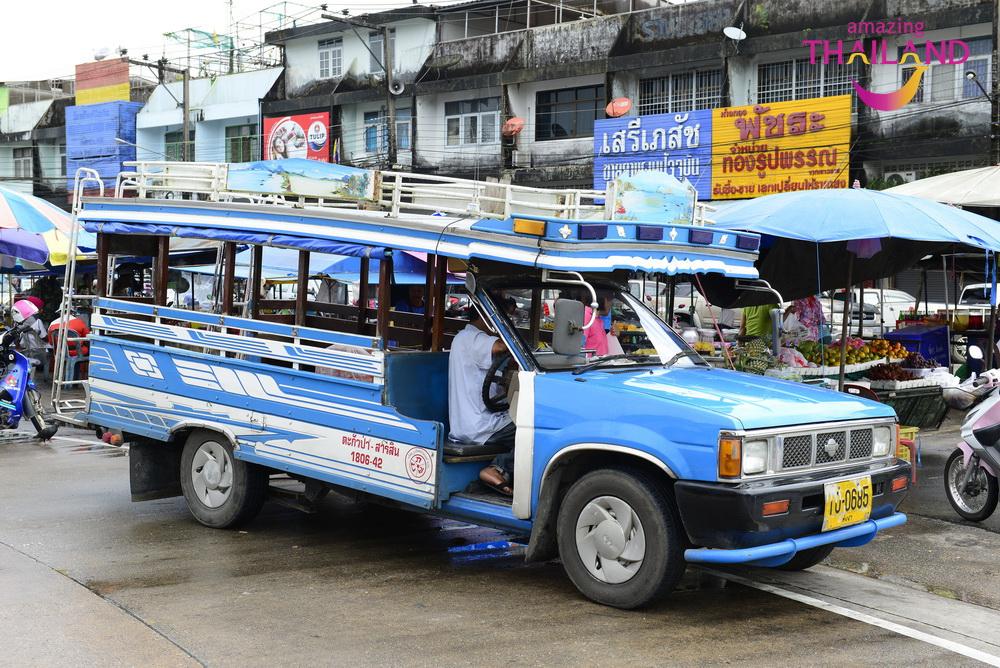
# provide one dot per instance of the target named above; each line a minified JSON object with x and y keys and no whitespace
{"x":43,"y":39}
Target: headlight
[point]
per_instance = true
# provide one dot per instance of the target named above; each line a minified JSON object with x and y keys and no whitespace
{"x":881,"y":441}
{"x":755,"y":457}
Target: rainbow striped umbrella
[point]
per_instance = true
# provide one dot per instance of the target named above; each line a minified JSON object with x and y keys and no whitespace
{"x":38,"y":231}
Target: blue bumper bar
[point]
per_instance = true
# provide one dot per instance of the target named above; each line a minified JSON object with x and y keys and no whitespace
{"x":776,"y":554}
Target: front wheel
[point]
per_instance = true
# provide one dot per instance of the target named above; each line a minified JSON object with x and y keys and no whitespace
{"x":979,"y":499}
{"x":221,"y":491}
{"x":619,"y":538}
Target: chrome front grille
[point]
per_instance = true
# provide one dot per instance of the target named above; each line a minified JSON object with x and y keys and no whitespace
{"x":830,"y":446}
{"x":822,"y":448}
{"x":861,"y":443}
{"x":797,"y":451}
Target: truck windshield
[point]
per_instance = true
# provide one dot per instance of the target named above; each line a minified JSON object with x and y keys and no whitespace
{"x":625,"y":333}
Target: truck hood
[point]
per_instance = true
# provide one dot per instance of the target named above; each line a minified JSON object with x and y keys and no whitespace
{"x":756,"y":402}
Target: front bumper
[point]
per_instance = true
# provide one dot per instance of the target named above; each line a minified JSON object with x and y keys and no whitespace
{"x":726,"y":516}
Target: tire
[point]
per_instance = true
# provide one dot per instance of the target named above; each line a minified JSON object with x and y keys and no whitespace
{"x":807,"y":558}
{"x":221,"y":491}
{"x":969,"y":506}
{"x":597,"y":495}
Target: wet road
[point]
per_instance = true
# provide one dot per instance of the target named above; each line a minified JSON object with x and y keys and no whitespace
{"x":86,"y":577}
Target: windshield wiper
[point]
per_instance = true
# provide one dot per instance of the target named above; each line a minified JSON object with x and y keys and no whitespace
{"x":610,"y":358}
{"x":686,"y":352}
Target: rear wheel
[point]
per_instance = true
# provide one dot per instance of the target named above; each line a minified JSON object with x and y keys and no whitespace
{"x":807,"y":558}
{"x":620,"y":539}
{"x":221,"y":491}
{"x":974,"y":502}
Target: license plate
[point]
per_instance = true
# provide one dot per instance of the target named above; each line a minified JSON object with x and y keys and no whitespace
{"x":847,"y":502}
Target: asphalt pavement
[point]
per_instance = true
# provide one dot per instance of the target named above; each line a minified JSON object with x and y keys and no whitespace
{"x":89,"y":578}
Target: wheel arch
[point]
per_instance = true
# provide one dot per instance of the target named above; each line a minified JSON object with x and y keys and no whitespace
{"x":180,"y":432}
{"x":565,"y":467}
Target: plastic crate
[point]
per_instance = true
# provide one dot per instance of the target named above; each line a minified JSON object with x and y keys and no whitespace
{"x":921,"y":407}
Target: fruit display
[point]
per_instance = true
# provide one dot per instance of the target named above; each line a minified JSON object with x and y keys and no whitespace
{"x":704,"y":348}
{"x":918,"y":361}
{"x":754,"y":357}
{"x":889,"y":372}
{"x":857,"y":351}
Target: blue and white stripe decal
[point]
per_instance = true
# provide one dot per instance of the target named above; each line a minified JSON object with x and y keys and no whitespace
{"x":395,"y":469}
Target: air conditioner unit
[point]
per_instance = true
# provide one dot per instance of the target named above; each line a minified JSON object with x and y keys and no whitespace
{"x":899,"y":178}
{"x":520,"y":158}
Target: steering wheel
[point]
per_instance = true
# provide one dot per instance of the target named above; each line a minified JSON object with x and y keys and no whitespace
{"x":497,"y":375}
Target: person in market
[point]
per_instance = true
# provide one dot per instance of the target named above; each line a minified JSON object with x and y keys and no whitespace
{"x":414,"y":301}
{"x":757,"y":321}
{"x":34,"y":341}
{"x":806,"y":314}
{"x":78,"y":331}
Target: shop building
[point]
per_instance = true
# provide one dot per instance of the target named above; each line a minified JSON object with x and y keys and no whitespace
{"x":223,"y":118}
{"x":556,"y":66}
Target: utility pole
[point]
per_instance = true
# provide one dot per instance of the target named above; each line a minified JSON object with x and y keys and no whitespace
{"x":390,"y":102}
{"x":185,"y":101}
{"x":385,"y":60}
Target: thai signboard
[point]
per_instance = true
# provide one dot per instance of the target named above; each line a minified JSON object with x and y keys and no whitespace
{"x":733,"y":152}
{"x":678,"y":144}
{"x":299,"y":136}
{"x":781,"y":147}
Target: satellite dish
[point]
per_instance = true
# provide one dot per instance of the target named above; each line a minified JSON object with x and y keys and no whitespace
{"x":101,"y":53}
{"x":397,"y":88}
{"x":734,"y":33}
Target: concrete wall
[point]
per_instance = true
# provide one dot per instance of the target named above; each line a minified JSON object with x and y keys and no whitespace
{"x":49,"y":163}
{"x":7,"y":168}
{"x":432,"y":150}
{"x":414,"y":43}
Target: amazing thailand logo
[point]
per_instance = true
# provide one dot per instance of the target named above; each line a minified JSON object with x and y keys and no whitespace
{"x":944,"y":52}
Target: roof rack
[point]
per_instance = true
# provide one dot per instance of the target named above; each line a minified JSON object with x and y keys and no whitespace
{"x":394,"y":192}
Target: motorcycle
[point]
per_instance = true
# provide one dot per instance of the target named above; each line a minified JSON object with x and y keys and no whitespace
{"x":19,"y":397}
{"x":970,"y":474}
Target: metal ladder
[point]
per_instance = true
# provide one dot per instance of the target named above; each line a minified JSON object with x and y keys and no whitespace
{"x":67,"y":409}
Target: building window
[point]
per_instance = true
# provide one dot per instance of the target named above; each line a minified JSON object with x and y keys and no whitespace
{"x":375,"y":44}
{"x":241,"y":143}
{"x":403,"y":125}
{"x":173,"y":145}
{"x":472,"y":121}
{"x":331,"y":57}
{"x":683,"y":91}
{"x":376,"y":139}
{"x":62,"y":160}
{"x":22,"y":163}
{"x":947,"y":83}
{"x":800,"y":79}
{"x":568,"y":113}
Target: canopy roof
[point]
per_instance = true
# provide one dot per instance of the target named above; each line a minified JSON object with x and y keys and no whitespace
{"x":560,"y":243}
{"x":969,"y":187}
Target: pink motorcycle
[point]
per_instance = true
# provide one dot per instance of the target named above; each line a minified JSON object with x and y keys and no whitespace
{"x":970,"y":474}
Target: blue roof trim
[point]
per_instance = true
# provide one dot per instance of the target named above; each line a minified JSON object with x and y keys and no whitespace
{"x":330,"y":230}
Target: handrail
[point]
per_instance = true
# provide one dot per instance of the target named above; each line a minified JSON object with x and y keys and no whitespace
{"x":395,"y":192}
{"x":236,"y":322}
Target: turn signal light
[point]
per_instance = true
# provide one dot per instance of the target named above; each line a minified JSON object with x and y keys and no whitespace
{"x":730,"y":456}
{"x":528,"y":226}
{"x":899,"y":483}
{"x":775,"y":508}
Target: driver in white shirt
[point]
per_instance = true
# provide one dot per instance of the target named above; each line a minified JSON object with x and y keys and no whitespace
{"x":472,"y":353}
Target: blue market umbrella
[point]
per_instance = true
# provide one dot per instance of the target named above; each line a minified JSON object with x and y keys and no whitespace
{"x":810,"y":239}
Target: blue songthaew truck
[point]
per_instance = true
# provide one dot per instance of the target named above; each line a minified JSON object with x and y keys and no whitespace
{"x":629,"y":464}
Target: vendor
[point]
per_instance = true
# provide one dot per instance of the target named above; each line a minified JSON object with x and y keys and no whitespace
{"x":806,"y":314}
{"x":757,"y":321}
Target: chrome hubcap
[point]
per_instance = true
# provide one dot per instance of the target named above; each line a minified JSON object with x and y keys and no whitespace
{"x":973,"y":498}
{"x":610,"y":540}
{"x":212,"y":474}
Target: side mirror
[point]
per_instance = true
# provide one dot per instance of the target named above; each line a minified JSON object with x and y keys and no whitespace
{"x":567,"y":338}
{"x":975,"y":352}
